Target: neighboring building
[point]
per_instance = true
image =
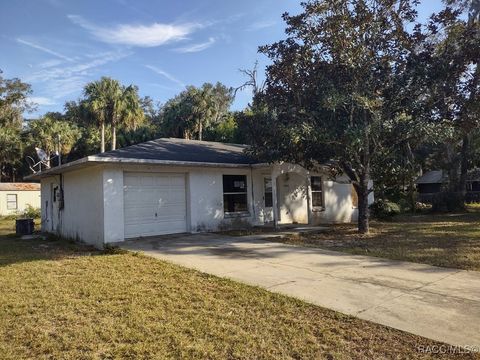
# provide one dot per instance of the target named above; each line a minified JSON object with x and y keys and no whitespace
{"x":473,"y":186}
{"x":169,"y":186}
{"x":433,"y":182}
{"x":429,"y":184}
{"x":14,"y":197}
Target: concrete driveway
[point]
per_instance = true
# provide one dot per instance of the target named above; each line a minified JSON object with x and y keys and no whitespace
{"x":438,"y":303}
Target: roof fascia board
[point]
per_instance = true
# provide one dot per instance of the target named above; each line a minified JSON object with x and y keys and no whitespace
{"x":102,"y":160}
{"x":99,"y":159}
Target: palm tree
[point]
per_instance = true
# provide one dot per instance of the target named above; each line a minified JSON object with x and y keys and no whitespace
{"x":128,"y":112}
{"x":98,"y":96}
{"x":115,"y":105}
{"x":52,"y":134}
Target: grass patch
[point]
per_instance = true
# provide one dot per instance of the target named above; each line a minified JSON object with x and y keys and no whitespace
{"x":447,"y":240}
{"x":64,"y":300}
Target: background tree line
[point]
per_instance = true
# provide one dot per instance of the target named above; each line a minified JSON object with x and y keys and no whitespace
{"x":360,"y":85}
{"x":109,"y":115}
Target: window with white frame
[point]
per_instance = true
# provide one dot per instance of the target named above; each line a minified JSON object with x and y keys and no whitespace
{"x":12,"y":202}
{"x":317,"y":191}
{"x":235,"y":194}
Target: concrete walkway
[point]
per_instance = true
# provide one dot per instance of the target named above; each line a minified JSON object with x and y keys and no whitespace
{"x":438,"y":303}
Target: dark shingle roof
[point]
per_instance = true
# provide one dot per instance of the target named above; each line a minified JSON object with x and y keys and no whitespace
{"x":170,"y":149}
{"x":432,"y":177}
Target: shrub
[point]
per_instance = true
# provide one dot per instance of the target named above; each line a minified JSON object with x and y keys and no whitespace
{"x":405,"y":205}
{"x":384,"y":209}
{"x":31,"y":212}
{"x":420,"y":206}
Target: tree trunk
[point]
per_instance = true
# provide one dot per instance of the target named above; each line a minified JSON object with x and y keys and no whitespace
{"x":411,"y":179}
{"x":411,"y":193}
{"x":452,"y":170}
{"x":364,"y":178}
{"x":102,"y":135}
{"x":462,"y":182}
{"x":363,"y":214}
{"x":200,"y":130}
{"x":114,"y":137}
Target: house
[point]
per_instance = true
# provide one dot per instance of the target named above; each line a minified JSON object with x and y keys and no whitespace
{"x":170,"y":185}
{"x":433,"y":182}
{"x":473,"y":186}
{"x":429,"y":184}
{"x":15,"y":197}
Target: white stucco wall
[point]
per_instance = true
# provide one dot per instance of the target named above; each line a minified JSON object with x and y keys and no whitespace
{"x":24,"y":198}
{"x":94,"y":199}
{"x":45,"y":203}
{"x":82,"y":215}
{"x":204,"y":196}
{"x":206,"y":199}
{"x":338,"y":204}
{"x":292,"y":198}
{"x":112,"y":204}
{"x":337,"y":196}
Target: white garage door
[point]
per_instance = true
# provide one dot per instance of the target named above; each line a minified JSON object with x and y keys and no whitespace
{"x":154,"y":204}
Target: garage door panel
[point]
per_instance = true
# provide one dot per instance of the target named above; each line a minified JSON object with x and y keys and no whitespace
{"x":150,"y":229}
{"x":154,"y":204}
{"x":144,"y":217}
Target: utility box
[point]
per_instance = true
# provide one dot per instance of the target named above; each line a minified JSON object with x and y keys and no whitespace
{"x":24,"y":226}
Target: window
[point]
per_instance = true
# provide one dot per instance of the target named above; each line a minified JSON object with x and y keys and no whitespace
{"x":235,"y":194}
{"x":268,"y":197}
{"x":11,"y":202}
{"x":317,"y":191}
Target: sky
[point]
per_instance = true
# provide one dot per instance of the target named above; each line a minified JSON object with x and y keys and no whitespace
{"x":161,"y":46}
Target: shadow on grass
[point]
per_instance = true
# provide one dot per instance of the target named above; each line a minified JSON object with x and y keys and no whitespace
{"x":446,"y":240}
{"x":15,"y":250}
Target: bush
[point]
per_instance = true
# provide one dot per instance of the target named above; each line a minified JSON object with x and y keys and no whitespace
{"x":420,"y":206}
{"x":10,"y":217}
{"x":404,"y":205}
{"x":384,"y":209}
{"x":31,"y":212}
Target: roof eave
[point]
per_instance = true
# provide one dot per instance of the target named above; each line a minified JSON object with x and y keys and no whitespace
{"x":110,"y":160}
{"x":58,"y":169}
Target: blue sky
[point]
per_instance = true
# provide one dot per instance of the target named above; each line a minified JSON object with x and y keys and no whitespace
{"x":58,"y":46}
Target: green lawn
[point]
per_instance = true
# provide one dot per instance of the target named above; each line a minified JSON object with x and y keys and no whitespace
{"x":448,"y":240}
{"x":63,"y":300}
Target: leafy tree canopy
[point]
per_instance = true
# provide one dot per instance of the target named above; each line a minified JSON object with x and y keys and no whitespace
{"x":329,"y":94}
{"x":195,"y":109}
